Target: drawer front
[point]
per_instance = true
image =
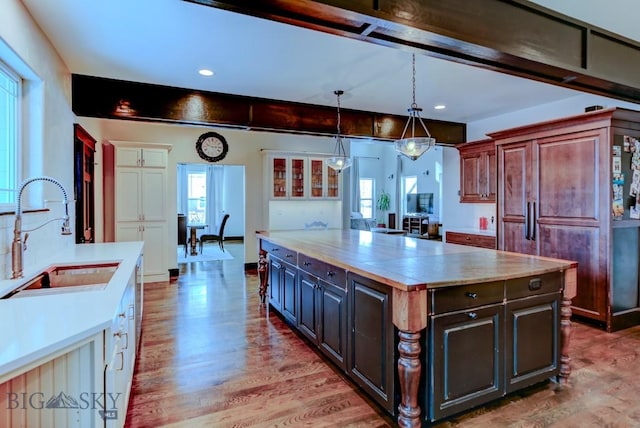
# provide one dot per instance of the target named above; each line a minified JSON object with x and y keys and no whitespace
{"x":472,"y":240}
{"x":280,"y":252}
{"x":466,"y":296}
{"x":533,"y":285}
{"x":332,"y":274}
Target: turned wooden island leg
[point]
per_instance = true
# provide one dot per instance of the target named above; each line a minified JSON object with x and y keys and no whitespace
{"x":409,"y":371}
{"x":410,"y":316}
{"x":569,"y":292}
{"x":263,"y":275}
{"x":565,"y":335}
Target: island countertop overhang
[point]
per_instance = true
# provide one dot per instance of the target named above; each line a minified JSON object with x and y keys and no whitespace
{"x":411,"y":264}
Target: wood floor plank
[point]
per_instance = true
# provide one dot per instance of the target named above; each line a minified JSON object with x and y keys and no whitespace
{"x":212,"y":356}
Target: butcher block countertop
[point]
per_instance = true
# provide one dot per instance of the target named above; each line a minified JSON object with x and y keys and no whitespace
{"x":411,"y":264}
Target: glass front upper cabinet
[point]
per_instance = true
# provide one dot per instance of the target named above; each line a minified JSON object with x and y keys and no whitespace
{"x":297,"y":181}
{"x":324,"y":181}
{"x":279,"y":173}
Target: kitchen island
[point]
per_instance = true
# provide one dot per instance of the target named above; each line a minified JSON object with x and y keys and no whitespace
{"x":427,"y":329}
{"x":68,"y":354}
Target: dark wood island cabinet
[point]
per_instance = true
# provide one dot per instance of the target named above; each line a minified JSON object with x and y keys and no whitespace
{"x":426,"y":329}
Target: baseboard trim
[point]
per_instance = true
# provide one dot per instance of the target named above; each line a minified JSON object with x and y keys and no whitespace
{"x":251,"y":268}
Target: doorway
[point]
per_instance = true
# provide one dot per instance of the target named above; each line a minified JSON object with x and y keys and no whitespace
{"x":205,"y":195}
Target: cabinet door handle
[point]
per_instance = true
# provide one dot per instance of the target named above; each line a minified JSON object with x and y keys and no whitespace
{"x":472,"y":315}
{"x":275,"y":249}
{"x":471,"y":295}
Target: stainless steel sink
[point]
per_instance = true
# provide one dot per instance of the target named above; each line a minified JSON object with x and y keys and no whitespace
{"x":65,"y":278}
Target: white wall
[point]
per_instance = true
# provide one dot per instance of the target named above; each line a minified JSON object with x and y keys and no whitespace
{"x":571,"y":106}
{"x":47,"y":132}
{"x":291,"y":215}
{"x":233,"y":200}
{"x":429,"y":169}
{"x":244,"y":149}
{"x":379,"y":160}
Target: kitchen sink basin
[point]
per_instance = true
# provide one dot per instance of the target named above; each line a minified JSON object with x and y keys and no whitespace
{"x":64,"y":278}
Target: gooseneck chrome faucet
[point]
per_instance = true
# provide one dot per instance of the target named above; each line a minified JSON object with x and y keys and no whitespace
{"x":18,"y":246}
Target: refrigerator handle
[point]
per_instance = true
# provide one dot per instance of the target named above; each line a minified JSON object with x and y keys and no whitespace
{"x":533,"y":222}
{"x":526,"y":222}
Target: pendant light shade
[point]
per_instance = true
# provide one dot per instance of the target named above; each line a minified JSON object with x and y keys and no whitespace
{"x":409,"y":145}
{"x":339,"y":161}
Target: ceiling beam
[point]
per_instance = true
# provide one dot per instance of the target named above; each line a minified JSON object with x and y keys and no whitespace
{"x":516,"y":37}
{"x":118,"y":99}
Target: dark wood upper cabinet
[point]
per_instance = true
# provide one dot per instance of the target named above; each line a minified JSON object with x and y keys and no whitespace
{"x":478,"y":171}
{"x":83,"y":185}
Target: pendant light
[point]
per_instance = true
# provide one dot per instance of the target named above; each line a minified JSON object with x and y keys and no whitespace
{"x":411,"y":146}
{"x":339,"y":161}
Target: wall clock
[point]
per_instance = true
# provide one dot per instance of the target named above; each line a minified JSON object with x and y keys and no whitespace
{"x":212,"y":147}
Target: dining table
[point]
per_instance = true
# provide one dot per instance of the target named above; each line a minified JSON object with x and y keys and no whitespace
{"x":193,"y":238}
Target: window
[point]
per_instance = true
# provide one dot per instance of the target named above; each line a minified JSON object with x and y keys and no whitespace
{"x":10,"y":87}
{"x":197,"y":198}
{"x":367,"y":187}
{"x":409,"y":186}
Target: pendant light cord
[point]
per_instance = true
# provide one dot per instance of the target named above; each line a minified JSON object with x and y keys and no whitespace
{"x":338,"y":93}
{"x":414,"y":105}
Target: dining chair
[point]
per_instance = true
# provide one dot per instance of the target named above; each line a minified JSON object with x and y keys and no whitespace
{"x":213,"y":238}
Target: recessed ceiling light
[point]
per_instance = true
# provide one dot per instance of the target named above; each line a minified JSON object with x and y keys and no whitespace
{"x":440,"y":107}
{"x":205,"y":72}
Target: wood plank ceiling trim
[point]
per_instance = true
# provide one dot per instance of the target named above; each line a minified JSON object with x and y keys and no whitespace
{"x":510,"y":36}
{"x":118,"y":99}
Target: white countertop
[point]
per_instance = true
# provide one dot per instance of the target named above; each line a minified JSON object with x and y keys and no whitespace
{"x":473,"y":231}
{"x":36,"y":326}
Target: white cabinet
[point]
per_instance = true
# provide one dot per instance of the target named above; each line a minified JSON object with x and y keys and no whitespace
{"x":301,"y":177}
{"x":120,"y":346}
{"x":140,"y":202}
{"x":142,"y":157}
{"x":141,"y":194}
{"x":155,"y":237}
{"x":324,"y":182}
{"x":86,"y":383}
{"x":288,"y":176}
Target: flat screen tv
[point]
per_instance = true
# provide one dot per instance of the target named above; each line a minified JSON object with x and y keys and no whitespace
{"x":420,"y":203}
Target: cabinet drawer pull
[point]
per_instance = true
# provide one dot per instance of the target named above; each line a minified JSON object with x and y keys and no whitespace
{"x":471,"y":295}
{"x":275,"y":249}
{"x":306,"y":264}
{"x":468,"y":238}
{"x":330,"y":274}
{"x":472,"y":315}
{"x":289,"y":256}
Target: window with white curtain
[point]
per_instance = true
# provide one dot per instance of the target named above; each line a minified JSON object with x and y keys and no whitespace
{"x":367,"y":190}
{"x":197,"y":197}
{"x":10,"y":91}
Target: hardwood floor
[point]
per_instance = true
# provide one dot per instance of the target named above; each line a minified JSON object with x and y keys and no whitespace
{"x":211,"y":356}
